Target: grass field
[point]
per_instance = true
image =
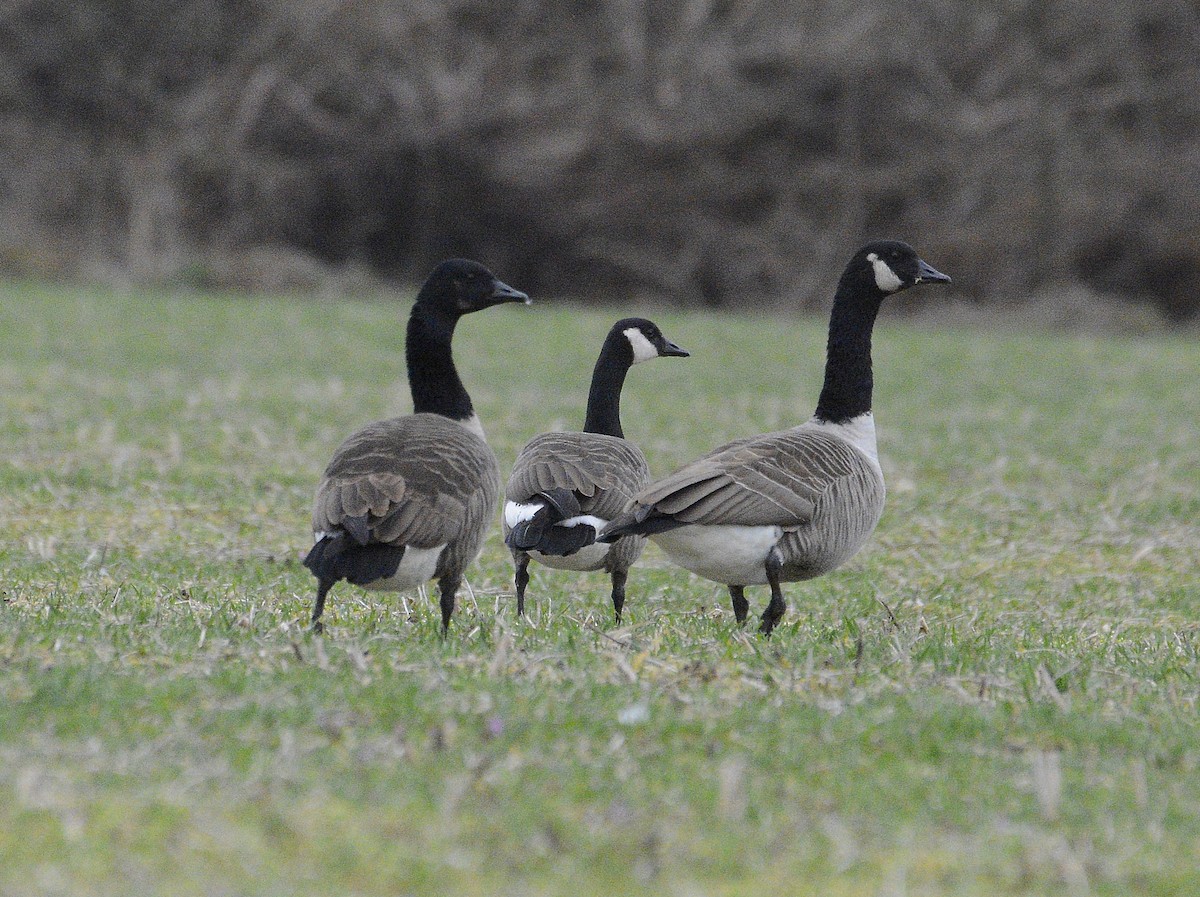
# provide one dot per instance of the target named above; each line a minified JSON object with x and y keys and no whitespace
{"x":997,"y":696}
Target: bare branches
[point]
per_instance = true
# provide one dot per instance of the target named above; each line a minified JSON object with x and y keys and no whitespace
{"x":706,"y":152}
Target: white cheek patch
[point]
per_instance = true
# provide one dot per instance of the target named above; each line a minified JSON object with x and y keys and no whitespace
{"x":885,"y":278}
{"x":643,"y":349}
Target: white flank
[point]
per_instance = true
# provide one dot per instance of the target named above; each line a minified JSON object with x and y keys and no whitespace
{"x":416,"y":567}
{"x":515,"y":512}
{"x":590,"y":557}
{"x":885,"y":278}
{"x":643,"y":349}
{"x":728,"y":553}
{"x":858,"y":431}
{"x":584,"y":519}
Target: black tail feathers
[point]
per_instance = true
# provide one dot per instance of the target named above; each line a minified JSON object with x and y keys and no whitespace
{"x":337,"y":557}
{"x":540,"y":532}
{"x":629,"y":524}
{"x":560,"y":540}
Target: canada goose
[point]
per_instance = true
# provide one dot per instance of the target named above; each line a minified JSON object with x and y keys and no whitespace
{"x":566,"y":486}
{"x":409,"y":499}
{"x":792,"y":505}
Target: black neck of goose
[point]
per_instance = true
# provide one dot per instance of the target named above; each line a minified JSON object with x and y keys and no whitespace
{"x":848,"y":381}
{"x":608,"y":378}
{"x":432,"y":377}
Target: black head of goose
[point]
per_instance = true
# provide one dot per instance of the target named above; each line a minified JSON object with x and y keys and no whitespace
{"x":792,"y":505}
{"x":409,"y":499}
{"x":566,"y":486}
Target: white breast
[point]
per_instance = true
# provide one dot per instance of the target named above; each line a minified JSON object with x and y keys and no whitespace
{"x":858,"y":431}
{"x":473,"y":424}
{"x":728,"y":553}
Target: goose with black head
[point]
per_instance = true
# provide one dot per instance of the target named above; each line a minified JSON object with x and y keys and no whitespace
{"x":409,"y":499}
{"x":565,"y":487}
{"x":792,"y":505}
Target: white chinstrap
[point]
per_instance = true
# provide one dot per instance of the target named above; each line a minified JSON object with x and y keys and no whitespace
{"x":885,"y":278}
{"x":643,"y":349}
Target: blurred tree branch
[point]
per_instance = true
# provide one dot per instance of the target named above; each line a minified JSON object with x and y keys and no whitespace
{"x":700,"y":150}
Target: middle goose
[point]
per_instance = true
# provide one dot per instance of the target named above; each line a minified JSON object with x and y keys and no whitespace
{"x":566,"y":486}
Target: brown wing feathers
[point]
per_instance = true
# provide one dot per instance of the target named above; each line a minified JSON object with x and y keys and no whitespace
{"x":435,"y":469}
{"x":775,"y":479}
{"x":603,"y":471}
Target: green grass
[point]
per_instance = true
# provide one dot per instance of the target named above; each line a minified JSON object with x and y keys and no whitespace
{"x":997,"y":696}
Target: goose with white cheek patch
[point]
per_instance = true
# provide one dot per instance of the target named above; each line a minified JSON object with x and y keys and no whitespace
{"x":567,"y":486}
{"x":410,"y":499}
{"x":792,"y":505}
